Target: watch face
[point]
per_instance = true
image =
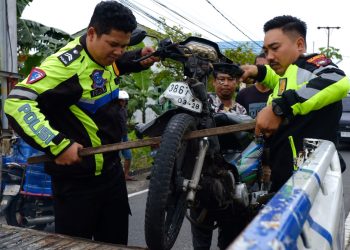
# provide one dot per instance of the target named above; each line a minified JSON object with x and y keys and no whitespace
{"x":277,"y":109}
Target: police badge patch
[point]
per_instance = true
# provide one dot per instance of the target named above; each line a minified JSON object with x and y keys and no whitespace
{"x":282,"y":86}
{"x":98,"y":83}
{"x":35,"y":75}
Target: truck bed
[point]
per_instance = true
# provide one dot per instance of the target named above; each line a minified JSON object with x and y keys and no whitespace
{"x":23,"y":238}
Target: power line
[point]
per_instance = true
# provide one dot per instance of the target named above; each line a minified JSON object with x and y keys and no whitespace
{"x":150,"y":10}
{"x":188,"y":20}
{"x":147,"y":15}
{"x":178,"y":20}
{"x":200,"y":24}
{"x":142,"y":12}
{"x":233,"y":24}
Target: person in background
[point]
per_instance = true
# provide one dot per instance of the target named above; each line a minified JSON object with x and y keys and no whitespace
{"x":229,"y":222}
{"x":254,"y":98}
{"x":123,"y":102}
{"x":306,"y":98}
{"x":69,"y":102}
{"x":225,"y":84}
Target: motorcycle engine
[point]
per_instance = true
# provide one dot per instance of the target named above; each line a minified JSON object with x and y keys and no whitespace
{"x":216,"y":192}
{"x":212,"y":193}
{"x":219,"y":191}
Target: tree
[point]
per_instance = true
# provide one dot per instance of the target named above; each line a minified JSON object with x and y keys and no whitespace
{"x":140,"y":88}
{"x":36,"y":41}
{"x":148,"y":85}
{"x":331,"y":53}
{"x":169,"y":71}
{"x":243,"y":54}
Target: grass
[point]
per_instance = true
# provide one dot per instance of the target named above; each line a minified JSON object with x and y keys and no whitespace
{"x":141,"y":157}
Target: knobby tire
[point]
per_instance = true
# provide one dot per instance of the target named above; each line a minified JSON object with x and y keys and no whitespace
{"x":166,"y":203}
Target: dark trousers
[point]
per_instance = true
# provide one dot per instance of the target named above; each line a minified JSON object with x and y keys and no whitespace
{"x":95,"y":208}
{"x":230,"y":223}
{"x":321,"y":124}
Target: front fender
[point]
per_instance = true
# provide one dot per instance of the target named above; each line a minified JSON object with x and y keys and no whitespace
{"x":5,"y":203}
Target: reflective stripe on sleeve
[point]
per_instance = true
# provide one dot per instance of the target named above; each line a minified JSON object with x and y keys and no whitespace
{"x":23,"y":92}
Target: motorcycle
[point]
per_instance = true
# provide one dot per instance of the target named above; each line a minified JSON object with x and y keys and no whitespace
{"x":212,"y":171}
{"x":26,"y":196}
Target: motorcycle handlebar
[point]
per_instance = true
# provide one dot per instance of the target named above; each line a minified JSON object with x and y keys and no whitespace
{"x":167,"y":49}
{"x":144,"y":57}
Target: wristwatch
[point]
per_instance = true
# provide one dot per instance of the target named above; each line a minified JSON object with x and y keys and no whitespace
{"x":277,"y":109}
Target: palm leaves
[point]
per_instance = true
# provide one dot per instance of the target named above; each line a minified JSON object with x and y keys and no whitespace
{"x":142,"y":92}
{"x":35,"y":40}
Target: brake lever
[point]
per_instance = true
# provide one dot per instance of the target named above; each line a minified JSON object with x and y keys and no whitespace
{"x":144,"y":57}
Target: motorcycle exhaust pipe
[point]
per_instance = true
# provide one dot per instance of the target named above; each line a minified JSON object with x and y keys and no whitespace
{"x":37,"y":221}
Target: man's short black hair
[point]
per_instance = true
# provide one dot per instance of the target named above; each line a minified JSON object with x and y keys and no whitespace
{"x":231,"y":69}
{"x":110,"y":15}
{"x":261,"y":55}
{"x":287,"y":24}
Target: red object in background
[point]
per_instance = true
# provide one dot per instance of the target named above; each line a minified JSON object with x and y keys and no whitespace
{"x":11,"y":82}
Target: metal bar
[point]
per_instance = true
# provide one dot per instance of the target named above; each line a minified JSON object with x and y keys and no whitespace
{"x":151,"y":141}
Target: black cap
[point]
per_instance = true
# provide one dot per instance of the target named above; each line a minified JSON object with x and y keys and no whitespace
{"x":228,"y":68}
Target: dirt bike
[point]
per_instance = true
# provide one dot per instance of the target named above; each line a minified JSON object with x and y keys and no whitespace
{"x":26,"y":196}
{"x":188,"y":172}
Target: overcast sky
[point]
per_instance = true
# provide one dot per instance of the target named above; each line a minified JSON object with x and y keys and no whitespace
{"x":247,"y":18}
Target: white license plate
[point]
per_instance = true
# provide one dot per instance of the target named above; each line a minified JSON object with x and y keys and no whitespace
{"x":11,"y":189}
{"x":180,"y":95}
{"x":344,"y":134}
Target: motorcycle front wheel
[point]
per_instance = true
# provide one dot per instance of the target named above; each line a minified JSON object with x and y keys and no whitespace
{"x":166,"y":203}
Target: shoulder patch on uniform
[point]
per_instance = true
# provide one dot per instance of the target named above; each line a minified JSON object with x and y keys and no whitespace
{"x":69,"y":56}
{"x":320,"y":60}
{"x":35,"y":75}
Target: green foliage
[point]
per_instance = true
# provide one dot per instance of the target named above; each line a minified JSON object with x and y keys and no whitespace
{"x":331,"y":53}
{"x":169,"y":71}
{"x":141,"y":157}
{"x":40,"y":38}
{"x":243,"y":54}
{"x":36,"y":41}
{"x":20,"y":6}
{"x":28,"y":62}
{"x":150,"y":84}
{"x":143,"y":89}
{"x":140,"y":88}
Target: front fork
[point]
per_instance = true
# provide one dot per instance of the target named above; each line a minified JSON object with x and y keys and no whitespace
{"x":192,"y":185}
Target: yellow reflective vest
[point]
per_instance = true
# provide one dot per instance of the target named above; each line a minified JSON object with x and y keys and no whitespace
{"x":311,"y":83}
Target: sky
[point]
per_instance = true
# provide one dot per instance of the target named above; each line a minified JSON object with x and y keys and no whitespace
{"x":237,"y":20}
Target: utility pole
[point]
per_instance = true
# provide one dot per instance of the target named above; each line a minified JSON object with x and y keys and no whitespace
{"x":8,"y":51}
{"x":328,"y":29}
{"x":8,"y":66}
